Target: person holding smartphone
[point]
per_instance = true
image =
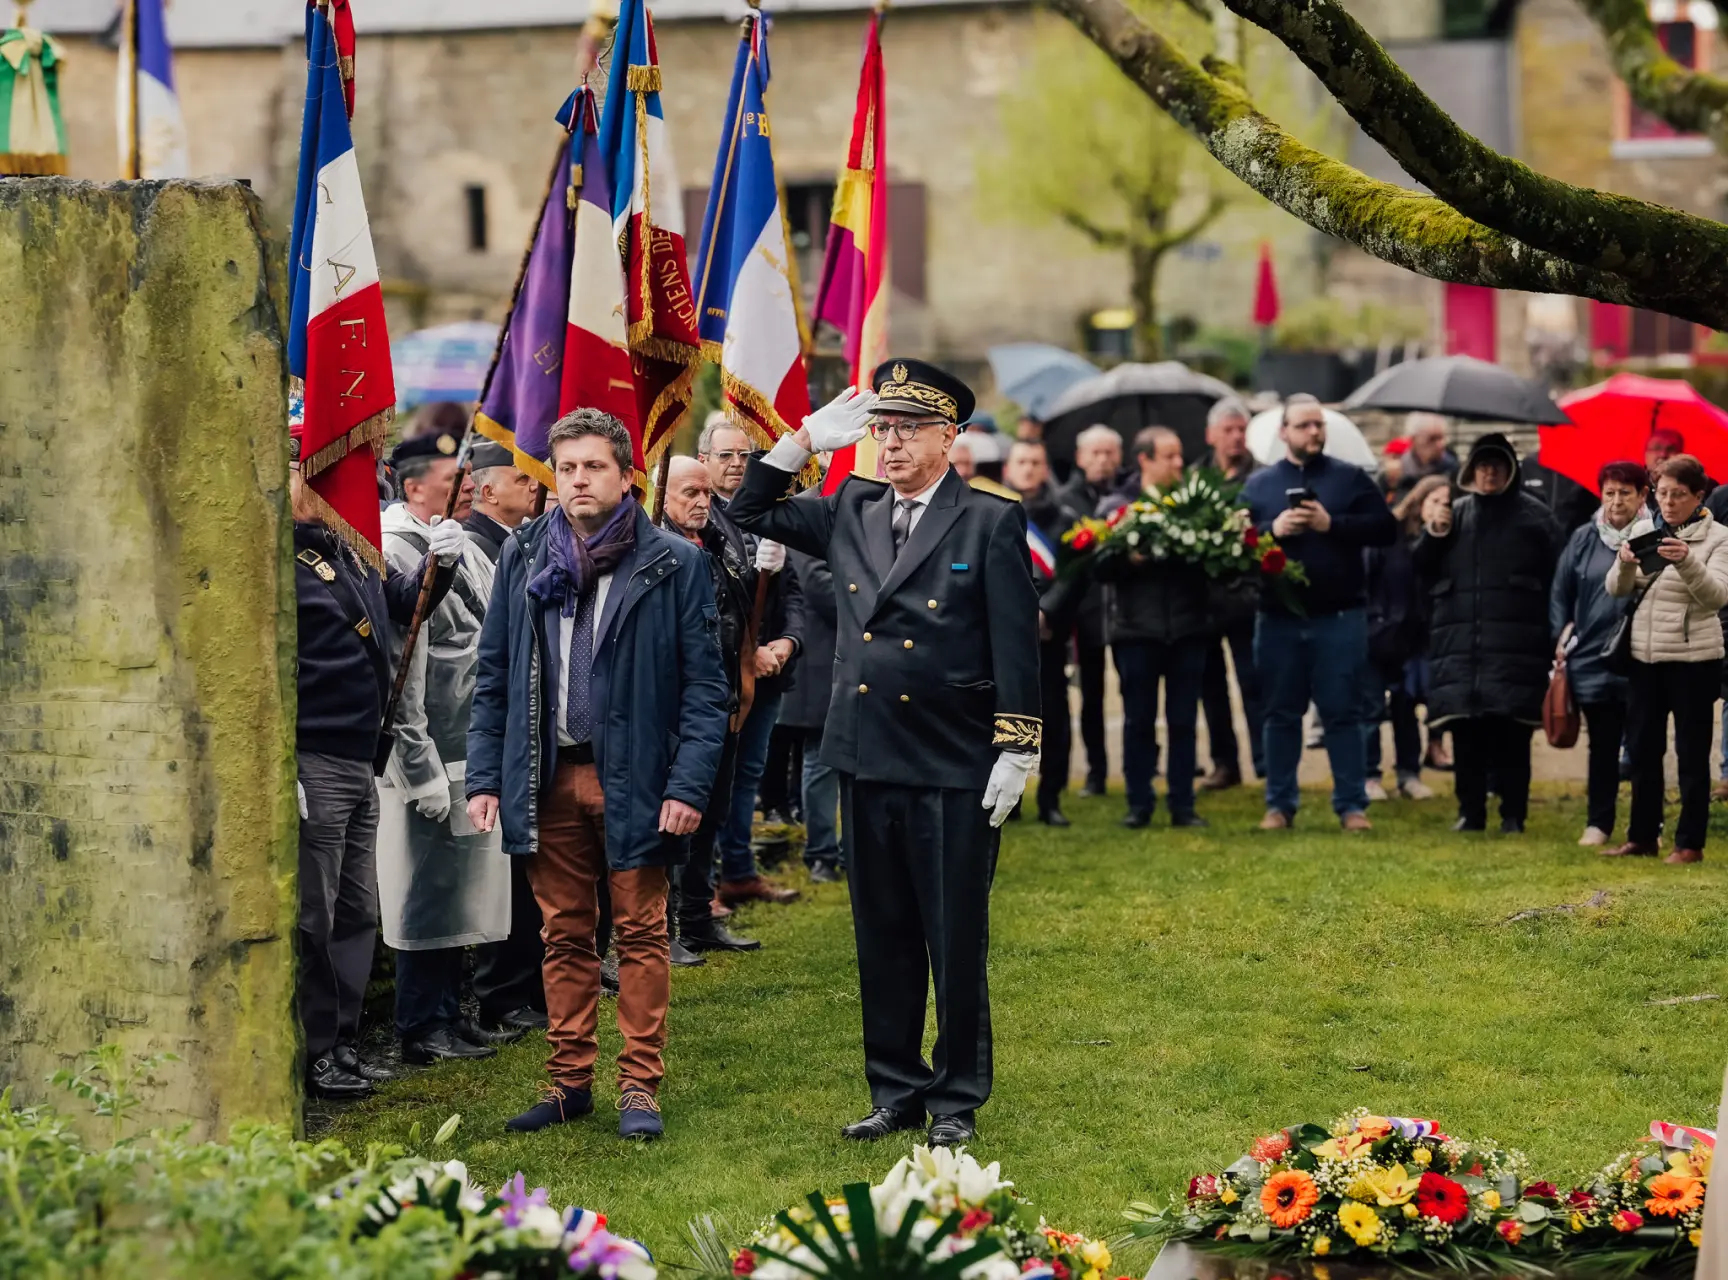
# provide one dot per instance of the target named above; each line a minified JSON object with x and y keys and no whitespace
{"x":1676,"y":657}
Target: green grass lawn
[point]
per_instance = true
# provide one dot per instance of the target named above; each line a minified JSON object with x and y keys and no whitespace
{"x":1160,"y":998}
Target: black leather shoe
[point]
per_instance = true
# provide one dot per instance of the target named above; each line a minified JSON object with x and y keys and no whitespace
{"x":557,"y":1104}
{"x":881,"y":1122}
{"x":1054,"y":818}
{"x":527,"y":1018}
{"x":1512,"y":826}
{"x":823,"y":871}
{"x":443,"y":1045}
{"x":1135,"y":819}
{"x":1188,"y":820}
{"x":682,"y":956}
{"x":347,"y":1057}
{"x":327,"y":1079}
{"x":1093,"y":789}
{"x":474,"y":1033}
{"x":717,"y":937}
{"x":952,"y":1131}
{"x":1469,"y":824}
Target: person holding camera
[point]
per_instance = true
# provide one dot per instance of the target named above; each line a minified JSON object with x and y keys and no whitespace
{"x":1489,"y":560}
{"x":1674,"y":641}
{"x":1324,"y":513}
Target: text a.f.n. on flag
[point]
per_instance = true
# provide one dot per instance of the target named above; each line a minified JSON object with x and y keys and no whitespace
{"x":749,"y":316}
{"x":853,"y":293}
{"x":338,"y":345}
{"x":147,"y":79}
{"x":564,"y":344}
{"x":648,"y":224}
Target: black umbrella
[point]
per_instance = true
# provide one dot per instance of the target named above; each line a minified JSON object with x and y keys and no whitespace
{"x":1132,"y":396}
{"x":1459,"y":387}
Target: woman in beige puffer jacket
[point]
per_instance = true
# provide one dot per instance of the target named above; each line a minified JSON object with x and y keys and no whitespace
{"x":1677,"y":652}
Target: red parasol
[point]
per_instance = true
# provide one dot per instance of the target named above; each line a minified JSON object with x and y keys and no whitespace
{"x":1266,"y":290}
{"x":1613,"y":421}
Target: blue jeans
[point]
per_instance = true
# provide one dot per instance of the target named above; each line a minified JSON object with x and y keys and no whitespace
{"x":1140,"y":665}
{"x":428,"y":991}
{"x":1317,"y":660}
{"x":737,"y":861}
{"x":821,"y":804}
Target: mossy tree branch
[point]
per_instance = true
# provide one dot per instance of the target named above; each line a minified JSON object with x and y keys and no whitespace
{"x":1672,"y":258}
{"x":1691,"y":101}
{"x":1421,"y":233}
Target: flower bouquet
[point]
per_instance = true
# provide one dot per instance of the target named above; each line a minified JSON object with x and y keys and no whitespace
{"x":511,"y":1233}
{"x":1381,"y":1189}
{"x":939,"y":1215}
{"x":1198,"y":522}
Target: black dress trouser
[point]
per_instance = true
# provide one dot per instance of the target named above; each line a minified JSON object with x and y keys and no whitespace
{"x":1058,"y":723}
{"x":1687,"y":691}
{"x":1491,"y":746}
{"x":507,"y":972}
{"x":920,"y":861}
{"x":1605,"y":724}
{"x":1091,"y":660}
{"x":690,"y":904}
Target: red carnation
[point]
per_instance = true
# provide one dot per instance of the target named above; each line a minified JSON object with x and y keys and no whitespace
{"x":1271,"y":1147}
{"x":1083,"y":539}
{"x":1250,"y":537}
{"x":744,"y":1264}
{"x":975,"y":1219}
{"x":1476,"y":1170}
{"x":1440,"y":1197}
{"x":1580,"y":1199}
{"x":1274,"y":561}
{"x":1542,"y":1191}
{"x":1202,"y":1188}
{"x":1059,"y":1269}
{"x":1627,"y":1220}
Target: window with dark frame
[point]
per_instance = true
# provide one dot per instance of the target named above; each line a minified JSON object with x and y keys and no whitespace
{"x":1651,"y":333}
{"x":1680,"y":41}
{"x":476,"y":197}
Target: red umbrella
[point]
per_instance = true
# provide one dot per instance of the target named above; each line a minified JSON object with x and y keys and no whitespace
{"x":1613,"y":421}
{"x":1266,"y":290}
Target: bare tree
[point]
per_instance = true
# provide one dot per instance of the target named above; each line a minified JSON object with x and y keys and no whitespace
{"x":1486,"y":219}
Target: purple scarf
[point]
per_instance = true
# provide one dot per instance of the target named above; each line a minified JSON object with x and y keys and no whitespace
{"x":574,"y":565}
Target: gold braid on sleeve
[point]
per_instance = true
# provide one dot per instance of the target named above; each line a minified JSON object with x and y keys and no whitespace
{"x":1018,"y":733}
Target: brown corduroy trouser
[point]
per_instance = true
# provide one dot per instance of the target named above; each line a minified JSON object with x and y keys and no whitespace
{"x":565,"y":875}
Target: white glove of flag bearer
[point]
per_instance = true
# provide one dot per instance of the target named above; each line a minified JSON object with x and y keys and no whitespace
{"x":770,"y":556}
{"x":447,"y":541}
{"x":841,"y":421}
{"x":1007,"y":783}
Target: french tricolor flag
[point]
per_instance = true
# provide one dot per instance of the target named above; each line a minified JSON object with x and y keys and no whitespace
{"x":749,"y":320}
{"x":1042,"y":551}
{"x":338,"y":348}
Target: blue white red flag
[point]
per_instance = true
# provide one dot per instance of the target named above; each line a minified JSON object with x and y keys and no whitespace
{"x":749,"y":318}
{"x":161,"y":130}
{"x":565,"y":343}
{"x":648,"y":225}
{"x":338,"y":345}
{"x":1043,"y":553}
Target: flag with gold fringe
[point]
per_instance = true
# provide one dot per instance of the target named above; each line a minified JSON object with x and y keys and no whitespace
{"x":338,"y":345}
{"x":648,"y":222}
{"x":32,"y":131}
{"x":749,"y":316}
{"x":853,"y":293}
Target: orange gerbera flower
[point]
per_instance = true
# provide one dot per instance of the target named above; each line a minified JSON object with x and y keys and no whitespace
{"x":1289,"y":1197}
{"x":1672,"y":1194}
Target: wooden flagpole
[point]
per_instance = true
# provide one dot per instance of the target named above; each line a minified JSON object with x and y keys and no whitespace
{"x":134,"y":144}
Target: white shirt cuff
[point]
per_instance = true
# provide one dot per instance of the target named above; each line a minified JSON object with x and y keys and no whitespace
{"x":787,"y":455}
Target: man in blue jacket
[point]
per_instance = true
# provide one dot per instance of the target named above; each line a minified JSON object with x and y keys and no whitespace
{"x":598,"y":717}
{"x":1323,"y":513}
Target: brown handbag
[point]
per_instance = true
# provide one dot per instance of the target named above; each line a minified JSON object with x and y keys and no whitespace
{"x":1560,"y":718}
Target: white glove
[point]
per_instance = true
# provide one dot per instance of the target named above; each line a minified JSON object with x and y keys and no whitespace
{"x":1007,"y":783}
{"x":770,"y":556}
{"x":446,"y":542}
{"x":300,"y":794}
{"x":841,"y":421}
{"x":436,"y":807}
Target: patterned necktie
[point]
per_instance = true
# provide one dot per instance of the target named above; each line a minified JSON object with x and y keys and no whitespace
{"x":903,"y":524}
{"x":579,"y":701}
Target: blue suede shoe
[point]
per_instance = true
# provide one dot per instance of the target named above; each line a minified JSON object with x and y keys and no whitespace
{"x":639,"y":1114}
{"x":557,"y":1104}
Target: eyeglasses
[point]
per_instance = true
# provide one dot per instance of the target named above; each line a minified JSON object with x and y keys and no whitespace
{"x":730,"y":455}
{"x":880,"y":430}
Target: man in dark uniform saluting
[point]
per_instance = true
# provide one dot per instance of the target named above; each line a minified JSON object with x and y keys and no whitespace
{"x":933,"y":724}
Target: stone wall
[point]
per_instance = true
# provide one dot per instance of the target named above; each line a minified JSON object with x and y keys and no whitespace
{"x":147,"y":825}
